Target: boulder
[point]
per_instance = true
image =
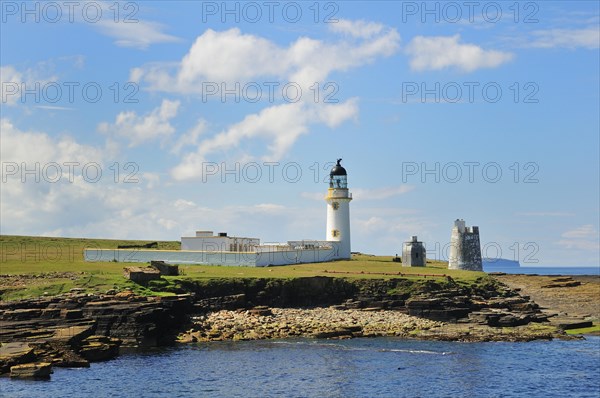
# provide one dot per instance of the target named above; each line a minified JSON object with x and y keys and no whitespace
{"x":328,"y":334}
{"x":141,"y":275}
{"x":164,"y":268}
{"x":99,"y":348}
{"x":36,"y":370}
{"x":59,"y":354}
{"x":13,"y":354}
{"x":561,"y":284}
{"x":571,"y":323}
{"x":125,"y":294}
{"x":260,"y":311}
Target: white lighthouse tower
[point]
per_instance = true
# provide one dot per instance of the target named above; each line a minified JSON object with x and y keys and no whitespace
{"x":338,"y":210}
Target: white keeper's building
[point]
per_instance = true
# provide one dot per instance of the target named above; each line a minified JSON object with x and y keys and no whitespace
{"x":221,"y":249}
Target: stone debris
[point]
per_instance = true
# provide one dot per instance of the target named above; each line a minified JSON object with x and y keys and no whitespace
{"x":292,"y":322}
{"x":334,"y":323}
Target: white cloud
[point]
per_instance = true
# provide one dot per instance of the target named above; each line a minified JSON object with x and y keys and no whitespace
{"x":78,"y":206}
{"x":579,"y":244}
{"x":31,"y":147}
{"x":373,"y":224}
{"x":12,"y":81}
{"x":182,"y":204}
{"x":366,"y":194}
{"x":268,"y":208}
{"x":152,"y":180}
{"x":231,"y":56}
{"x":122,"y":22}
{"x":190,"y":138}
{"x":567,"y":38}
{"x":440,"y":52}
{"x":279,"y":125}
{"x":361,"y":29}
{"x":55,"y":108}
{"x":545,"y":214}
{"x":59,"y":187}
{"x":381,"y":193}
{"x":584,"y":237}
{"x":313,"y":195}
{"x":168,"y":224}
{"x":140,"y":129}
{"x":138,"y":35}
{"x":584,"y":231}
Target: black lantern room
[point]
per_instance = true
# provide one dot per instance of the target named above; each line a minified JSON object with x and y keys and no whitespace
{"x":338,"y":177}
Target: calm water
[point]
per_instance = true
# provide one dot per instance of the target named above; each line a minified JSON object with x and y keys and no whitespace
{"x":382,"y":367}
{"x":544,"y":270}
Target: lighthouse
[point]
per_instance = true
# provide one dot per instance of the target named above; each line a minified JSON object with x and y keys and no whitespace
{"x":338,"y":210}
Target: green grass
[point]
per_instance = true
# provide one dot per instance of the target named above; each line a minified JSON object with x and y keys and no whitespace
{"x":592,"y":329}
{"x":25,"y":255}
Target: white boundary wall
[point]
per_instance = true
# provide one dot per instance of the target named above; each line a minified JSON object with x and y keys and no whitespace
{"x":171,"y":256}
{"x":248,"y":259}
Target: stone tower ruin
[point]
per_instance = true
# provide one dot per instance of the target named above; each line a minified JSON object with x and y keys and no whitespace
{"x":465,"y":249}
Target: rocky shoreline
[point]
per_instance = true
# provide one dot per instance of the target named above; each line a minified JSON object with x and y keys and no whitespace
{"x":75,"y":329}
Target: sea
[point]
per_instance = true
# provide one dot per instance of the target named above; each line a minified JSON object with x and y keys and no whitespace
{"x":376,"y":367}
{"x":542,"y":270}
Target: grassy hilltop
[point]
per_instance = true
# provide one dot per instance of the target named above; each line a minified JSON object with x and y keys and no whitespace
{"x":34,"y":266}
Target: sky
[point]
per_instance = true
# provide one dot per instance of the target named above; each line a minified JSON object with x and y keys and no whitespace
{"x":151,"y":120}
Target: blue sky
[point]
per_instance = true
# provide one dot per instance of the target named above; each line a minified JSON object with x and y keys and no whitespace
{"x":227,"y":116}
